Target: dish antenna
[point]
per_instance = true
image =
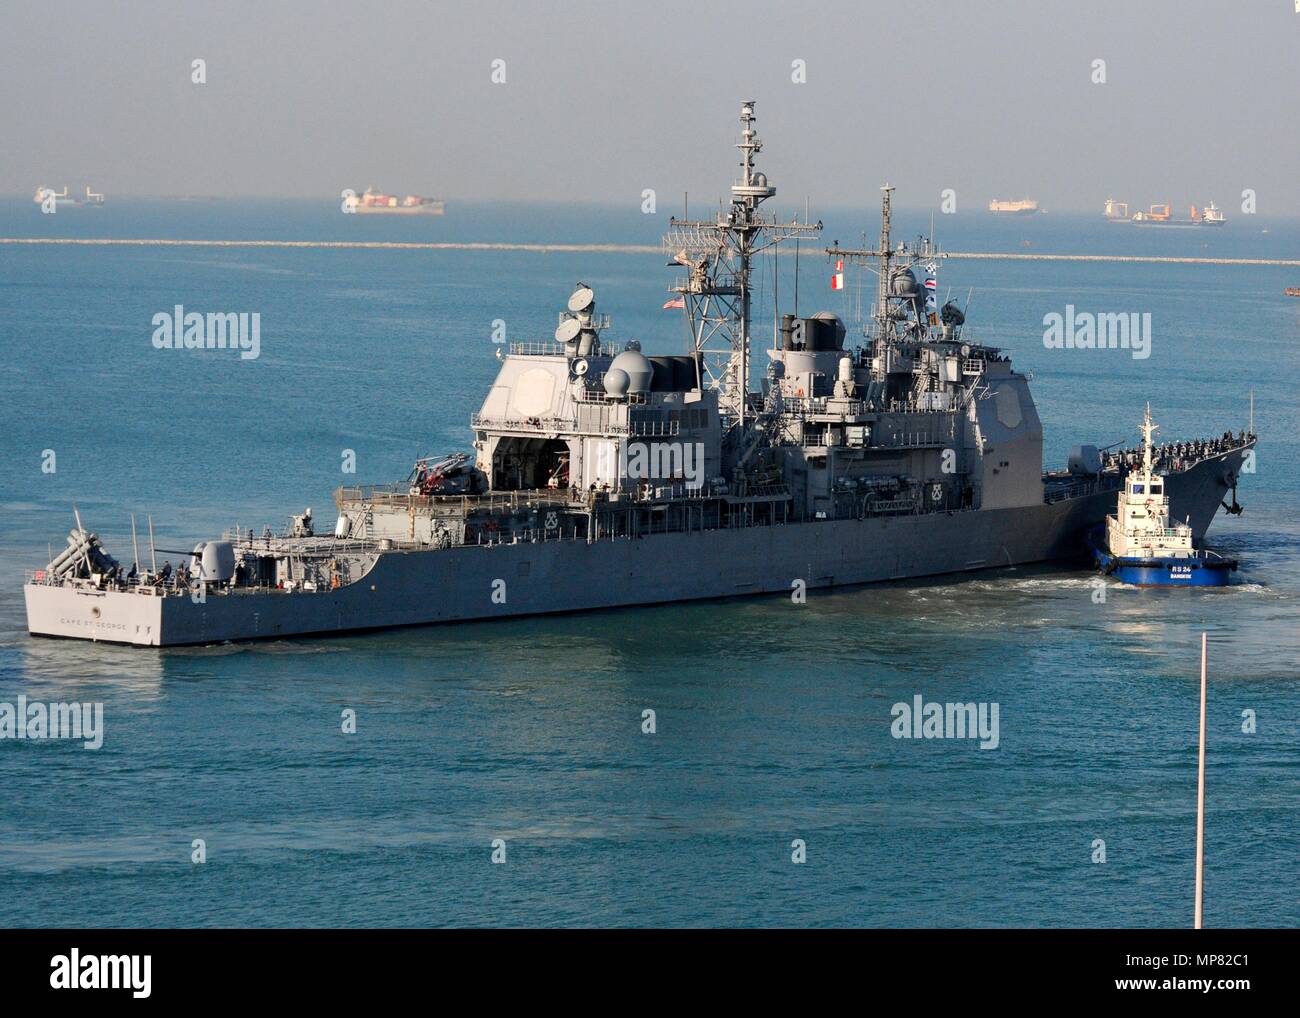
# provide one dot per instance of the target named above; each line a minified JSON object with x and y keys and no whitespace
{"x":582,"y":300}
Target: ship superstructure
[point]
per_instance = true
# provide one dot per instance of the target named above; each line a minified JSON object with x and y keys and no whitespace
{"x":603,"y":475}
{"x":1141,"y":526}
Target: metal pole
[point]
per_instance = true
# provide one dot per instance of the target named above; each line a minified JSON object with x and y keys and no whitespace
{"x":776,"y":297}
{"x":135,"y":545}
{"x":1200,"y":797}
{"x":153,"y":558}
{"x":81,"y":535}
{"x":796,"y":276}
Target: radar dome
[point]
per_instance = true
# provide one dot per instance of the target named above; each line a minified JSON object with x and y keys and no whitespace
{"x":636,"y":366}
{"x":616,"y":382}
{"x":905,"y":284}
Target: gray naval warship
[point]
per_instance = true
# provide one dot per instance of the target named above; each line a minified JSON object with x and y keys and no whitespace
{"x":604,"y":477}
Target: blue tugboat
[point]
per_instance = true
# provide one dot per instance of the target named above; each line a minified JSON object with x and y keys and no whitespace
{"x":1139,"y":544}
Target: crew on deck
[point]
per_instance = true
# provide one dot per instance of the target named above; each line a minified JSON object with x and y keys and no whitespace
{"x":1176,"y":456}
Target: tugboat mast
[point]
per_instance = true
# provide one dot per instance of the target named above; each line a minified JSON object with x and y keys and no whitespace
{"x":1148,"y":429}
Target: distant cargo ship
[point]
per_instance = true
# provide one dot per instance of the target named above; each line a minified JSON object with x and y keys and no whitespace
{"x":1160,"y":215}
{"x":1019,"y":207}
{"x":44,"y":194}
{"x":371,"y":201}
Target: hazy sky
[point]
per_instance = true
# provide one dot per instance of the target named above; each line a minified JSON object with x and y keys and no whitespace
{"x":602,"y":100}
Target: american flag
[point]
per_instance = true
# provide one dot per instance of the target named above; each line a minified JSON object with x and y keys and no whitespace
{"x":676,"y":302}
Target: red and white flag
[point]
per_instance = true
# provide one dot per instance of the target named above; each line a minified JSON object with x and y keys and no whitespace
{"x":837,"y":281}
{"x":676,"y":302}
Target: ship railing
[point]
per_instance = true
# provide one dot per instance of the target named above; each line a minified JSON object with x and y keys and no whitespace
{"x":1160,"y":532}
{"x":325,"y":544}
{"x":397,"y":495}
{"x":561,"y":425}
{"x":908,"y":439}
{"x":479,"y":421}
{"x":597,"y":395}
{"x":724,"y":284}
{"x":540,"y":350}
{"x":971,"y":366}
{"x":889,"y":507}
{"x":1077,"y":489}
{"x":670,"y":491}
{"x":819,"y":405}
{"x":899,"y":406}
{"x":598,"y":320}
{"x":142,"y":583}
{"x":765,"y":491}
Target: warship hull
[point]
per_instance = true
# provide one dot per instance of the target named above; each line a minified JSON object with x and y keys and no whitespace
{"x":464,"y":583}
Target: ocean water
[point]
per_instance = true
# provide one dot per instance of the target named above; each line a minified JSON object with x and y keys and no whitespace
{"x":773,"y":719}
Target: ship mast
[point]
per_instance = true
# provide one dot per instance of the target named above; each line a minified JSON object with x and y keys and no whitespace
{"x":882,"y":300}
{"x":718,"y":254}
{"x":1148,"y":429}
{"x":887,"y":260}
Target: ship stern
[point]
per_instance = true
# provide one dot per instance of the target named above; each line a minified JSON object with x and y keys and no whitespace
{"x":84,"y":613}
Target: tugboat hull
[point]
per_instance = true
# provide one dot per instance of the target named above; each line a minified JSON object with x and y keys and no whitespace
{"x":1197,"y":572}
{"x":1200,"y":570}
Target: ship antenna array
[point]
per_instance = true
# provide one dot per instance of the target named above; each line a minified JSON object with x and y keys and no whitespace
{"x":884,"y":261}
{"x":718,"y":255}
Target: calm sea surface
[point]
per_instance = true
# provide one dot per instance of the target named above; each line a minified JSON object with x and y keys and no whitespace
{"x":773,"y":720}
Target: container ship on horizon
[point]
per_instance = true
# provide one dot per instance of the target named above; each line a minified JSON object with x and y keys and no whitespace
{"x":373,"y":202}
{"x":1160,"y":215}
{"x":61,"y":198}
